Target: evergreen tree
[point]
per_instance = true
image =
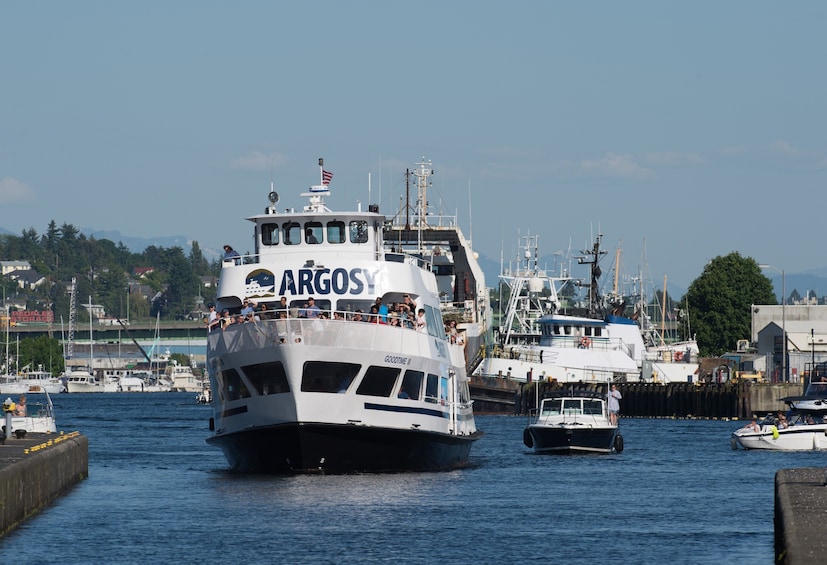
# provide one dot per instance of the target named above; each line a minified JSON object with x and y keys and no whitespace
{"x":720,"y":301}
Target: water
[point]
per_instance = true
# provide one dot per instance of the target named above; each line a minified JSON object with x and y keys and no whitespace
{"x":157,"y":492}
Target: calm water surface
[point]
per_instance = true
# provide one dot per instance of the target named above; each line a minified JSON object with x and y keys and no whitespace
{"x":157,"y":492}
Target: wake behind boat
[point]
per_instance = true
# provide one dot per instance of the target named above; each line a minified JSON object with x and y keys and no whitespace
{"x":329,"y":381}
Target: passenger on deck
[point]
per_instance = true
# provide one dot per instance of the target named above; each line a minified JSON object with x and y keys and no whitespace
{"x":753,"y":426}
{"x":231,"y":254}
{"x":421,"y":325}
{"x":382,"y":310}
{"x":20,"y":410}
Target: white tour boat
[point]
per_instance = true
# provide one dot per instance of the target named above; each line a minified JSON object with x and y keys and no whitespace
{"x":316,"y":389}
{"x":183,"y":379}
{"x":573,"y":421}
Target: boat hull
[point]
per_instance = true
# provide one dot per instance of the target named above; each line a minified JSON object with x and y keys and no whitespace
{"x":795,"y":438}
{"x":571,"y":439}
{"x":305,"y":447}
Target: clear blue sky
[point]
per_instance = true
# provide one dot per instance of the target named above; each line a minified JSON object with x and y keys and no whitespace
{"x":694,"y":128}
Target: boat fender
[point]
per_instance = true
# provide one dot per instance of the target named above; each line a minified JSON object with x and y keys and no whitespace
{"x":775,"y":432}
{"x":527,"y":439}
{"x":619,"y":443}
{"x":212,"y":424}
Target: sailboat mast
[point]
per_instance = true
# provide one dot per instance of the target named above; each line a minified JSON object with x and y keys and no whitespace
{"x":663,"y":312}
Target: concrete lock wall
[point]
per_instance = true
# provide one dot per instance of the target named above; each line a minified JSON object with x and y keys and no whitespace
{"x":38,"y":477}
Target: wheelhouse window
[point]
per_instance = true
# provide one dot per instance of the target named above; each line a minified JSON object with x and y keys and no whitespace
{"x":432,"y":388}
{"x":232,"y":387}
{"x":433,"y":321}
{"x":412,"y":385}
{"x":593,"y":407}
{"x":270,"y":234}
{"x":292,"y":233}
{"x":358,"y":231}
{"x":552,"y":407}
{"x":323,"y":376}
{"x":336,"y":232}
{"x":267,"y":378}
{"x":378,"y":381}
{"x":313,"y":233}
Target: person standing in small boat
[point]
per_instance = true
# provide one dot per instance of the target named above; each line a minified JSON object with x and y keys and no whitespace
{"x":614,"y":404}
{"x":20,"y":410}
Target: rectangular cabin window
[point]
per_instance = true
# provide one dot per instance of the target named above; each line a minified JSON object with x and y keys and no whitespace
{"x":270,"y":234}
{"x":378,"y":381}
{"x":593,"y":407}
{"x":323,"y":376}
{"x":267,"y":378}
{"x":232,"y":387}
{"x":313,"y":233}
{"x":292,"y":233}
{"x":336,"y":232}
{"x":432,"y":388}
{"x":571,"y":407}
{"x":551,"y":407}
{"x":598,"y":332}
{"x":412,"y":385}
{"x":433,"y":320}
{"x":358,"y":231}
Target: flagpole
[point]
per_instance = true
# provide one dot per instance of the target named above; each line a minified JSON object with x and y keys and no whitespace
{"x":321,"y":171}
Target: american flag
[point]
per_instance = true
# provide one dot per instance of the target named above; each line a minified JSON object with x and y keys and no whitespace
{"x":326,"y":176}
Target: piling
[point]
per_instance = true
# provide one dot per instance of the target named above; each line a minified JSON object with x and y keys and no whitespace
{"x":37,"y":469}
{"x":800,"y":504}
{"x":729,"y":400}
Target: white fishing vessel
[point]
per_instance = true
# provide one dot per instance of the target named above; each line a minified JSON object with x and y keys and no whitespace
{"x":573,"y":421}
{"x":316,"y":389}
{"x":535,"y":341}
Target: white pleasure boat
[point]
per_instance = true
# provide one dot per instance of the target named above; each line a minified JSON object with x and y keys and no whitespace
{"x":803,"y":427}
{"x":573,"y":421}
{"x":316,"y":389}
{"x":37,"y":417}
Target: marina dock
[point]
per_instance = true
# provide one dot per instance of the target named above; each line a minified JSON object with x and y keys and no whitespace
{"x":35,"y":470}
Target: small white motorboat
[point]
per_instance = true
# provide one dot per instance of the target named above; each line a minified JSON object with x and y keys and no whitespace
{"x":573,"y":421}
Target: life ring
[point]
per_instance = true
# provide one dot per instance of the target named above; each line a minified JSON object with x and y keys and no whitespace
{"x":679,"y":356}
{"x":619,"y":443}
{"x":585,"y":342}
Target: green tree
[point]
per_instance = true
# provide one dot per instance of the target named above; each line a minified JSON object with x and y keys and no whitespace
{"x":720,"y":301}
{"x":41,"y":351}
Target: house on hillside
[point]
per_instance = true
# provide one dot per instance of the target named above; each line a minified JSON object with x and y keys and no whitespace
{"x":27,"y":279}
{"x":7,"y":267}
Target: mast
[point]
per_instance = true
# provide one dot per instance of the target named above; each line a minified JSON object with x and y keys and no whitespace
{"x":663,"y":312}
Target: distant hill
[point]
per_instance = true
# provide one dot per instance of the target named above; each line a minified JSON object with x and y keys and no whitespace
{"x":138,"y":244}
